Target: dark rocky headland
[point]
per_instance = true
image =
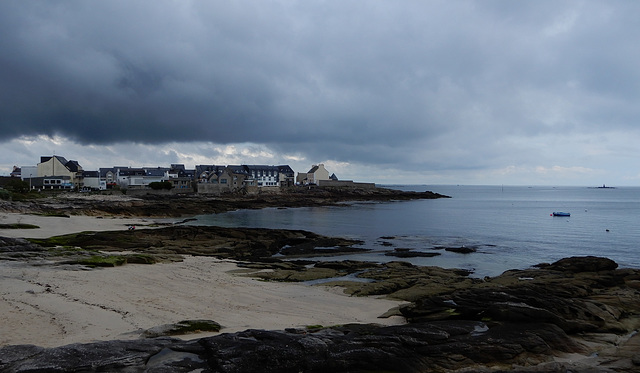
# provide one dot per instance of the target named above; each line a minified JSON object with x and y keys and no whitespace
{"x":578,"y":314}
{"x":154,"y":204}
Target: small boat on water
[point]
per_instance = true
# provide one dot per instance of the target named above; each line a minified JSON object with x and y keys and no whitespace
{"x":560,"y":213}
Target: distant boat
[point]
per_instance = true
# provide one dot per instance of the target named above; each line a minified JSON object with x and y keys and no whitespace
{"x":560,"y":213}
{"x":605,"y":187}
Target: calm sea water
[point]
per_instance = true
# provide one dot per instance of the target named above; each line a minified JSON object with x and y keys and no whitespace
{"x":510,"y":226}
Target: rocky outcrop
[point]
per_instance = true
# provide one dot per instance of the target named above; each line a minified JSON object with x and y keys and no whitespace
{"x":575,"y":315}
{"x":18,"y":249}
{"x":176,"y":205}
{"x":252,"y":244}
{"x":428,"y":347}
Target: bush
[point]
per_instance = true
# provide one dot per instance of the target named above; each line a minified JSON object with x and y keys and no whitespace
{"x":17,"y":186}
{"x":159,"y":185}
{"x":5,"y":194}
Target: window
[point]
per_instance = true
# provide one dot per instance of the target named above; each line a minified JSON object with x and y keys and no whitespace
{"x":223,"y":181}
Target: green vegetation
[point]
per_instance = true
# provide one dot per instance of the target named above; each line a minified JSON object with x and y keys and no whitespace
{"x":17,"y":186}
{"x":63,"y":240}
{"x":101,"y":261}
{"x":18,"y":226}
{"x":5,"y":194}
{"x":160,"y":185}
{"x":18,"y":190}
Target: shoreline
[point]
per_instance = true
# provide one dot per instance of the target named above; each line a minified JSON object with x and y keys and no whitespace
{"x":62,"y":307}
{"x":53,"y":305}
{"x":50,"y":226}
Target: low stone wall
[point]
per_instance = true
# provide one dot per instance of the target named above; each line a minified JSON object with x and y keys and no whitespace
{"x":210,"y":188}
{"x":345,"y":184}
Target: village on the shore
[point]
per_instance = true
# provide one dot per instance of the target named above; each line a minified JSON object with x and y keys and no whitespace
{"x":57,"y":173}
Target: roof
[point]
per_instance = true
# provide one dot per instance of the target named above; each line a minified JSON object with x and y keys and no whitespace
{"x":90,"y":174}
{"x":285,"y":169}
{"x":71,"y":165}
{"x":45,"y":158}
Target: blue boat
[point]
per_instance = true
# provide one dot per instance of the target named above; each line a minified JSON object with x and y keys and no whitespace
{"x":559,"y":213}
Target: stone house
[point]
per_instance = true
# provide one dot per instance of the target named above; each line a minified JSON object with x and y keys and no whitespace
{"x":181,"y":178}
{"x":314,"y":175}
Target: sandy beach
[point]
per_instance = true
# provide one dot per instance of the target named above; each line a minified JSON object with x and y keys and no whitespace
{"x":56,"y":305}
{"x":54,"y":225}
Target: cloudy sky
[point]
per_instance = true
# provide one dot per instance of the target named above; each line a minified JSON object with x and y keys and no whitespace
{"x":433,"y":92}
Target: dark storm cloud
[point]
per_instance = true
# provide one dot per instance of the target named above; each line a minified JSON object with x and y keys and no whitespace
{"x":377,"y":81}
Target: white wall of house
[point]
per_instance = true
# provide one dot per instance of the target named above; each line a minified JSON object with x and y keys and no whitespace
{"x":138,"y":181}
{"x":320,"y":173}
{"x":94,"y":183}
{"x":28,"y":172}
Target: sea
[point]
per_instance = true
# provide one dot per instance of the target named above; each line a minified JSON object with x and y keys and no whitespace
{"x":511,"y":227}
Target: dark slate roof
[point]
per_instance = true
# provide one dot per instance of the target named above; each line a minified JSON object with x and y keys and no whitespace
{"x":177,"y":167}
{"x":209,"y":169}
{"x":242,"y":170}
{"x":285,"y":169}
{"x":90,"y":174}
{"x":73,"y":166}
{"x":313,"y":169}
{"x":160,"y":171}
{"x":103,"y":171}
{"x":131,"y":171}
{"x":62,"y":160}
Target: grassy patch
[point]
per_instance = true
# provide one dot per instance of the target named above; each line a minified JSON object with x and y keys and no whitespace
{"x":65,"y":250}
{"x":18,"y":226}
{"x":101,"y":261}
{"x":64,"y":240}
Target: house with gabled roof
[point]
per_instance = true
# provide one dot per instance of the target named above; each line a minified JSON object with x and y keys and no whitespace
{"x":181,"y":178}
{"x":286,"y":176}
{"x":60,"y":166}
{"x":133,"y":177}
{"x":248,"y":178}
{"x":314,"y":175}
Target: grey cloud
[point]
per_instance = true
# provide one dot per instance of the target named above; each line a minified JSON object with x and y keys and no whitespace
{"x":369,"y":82}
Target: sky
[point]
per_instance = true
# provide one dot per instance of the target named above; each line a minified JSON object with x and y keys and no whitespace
{"x":393,"y":92}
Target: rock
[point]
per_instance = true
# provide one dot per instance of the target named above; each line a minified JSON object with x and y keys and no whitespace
{"x":19,"y":248}
{"x":434,"y":347}
{"x":178,"y":205}
{"x":407,"y":253}
{"x":254,"y":244}
{"x":182,"y":328}
{"x":460,"y":250}
{"x":583,"y":264}
{"x":515,"y":322}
